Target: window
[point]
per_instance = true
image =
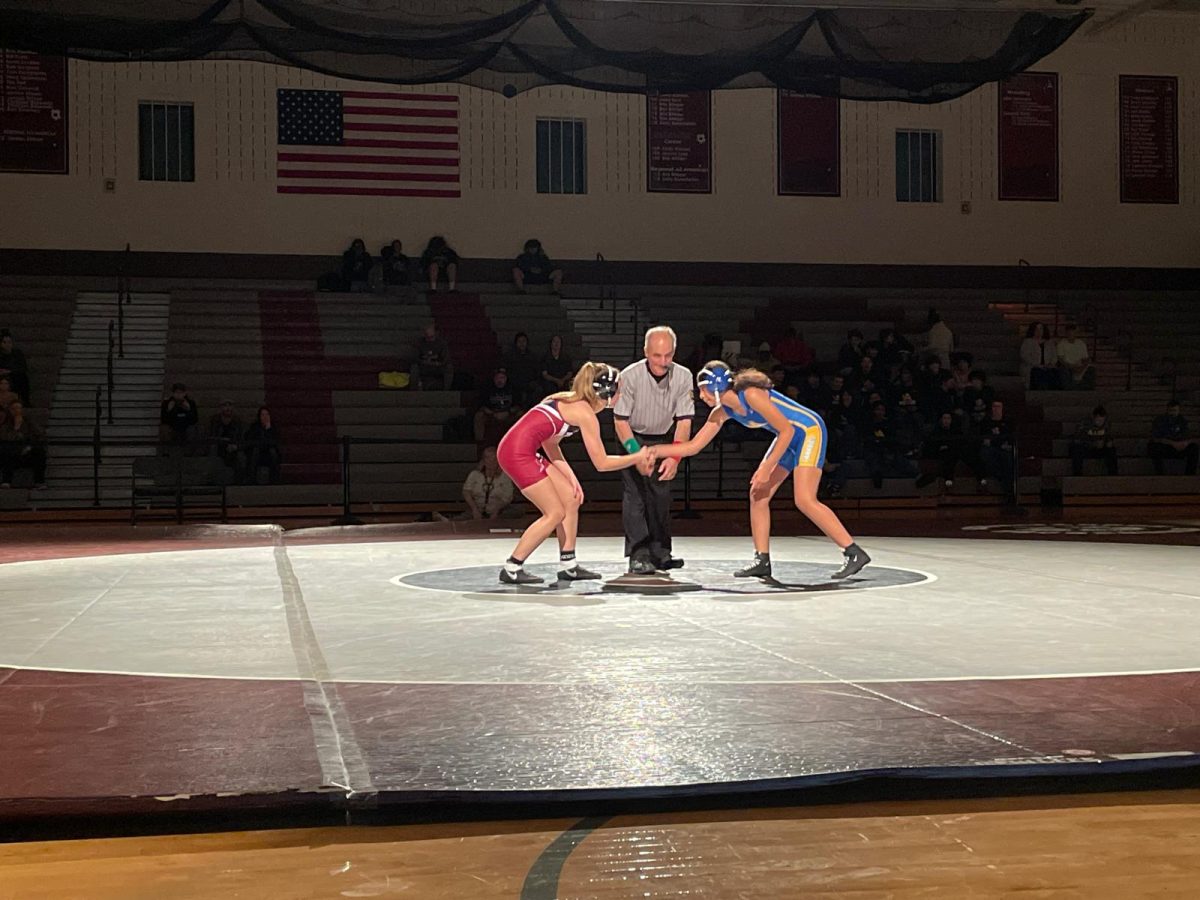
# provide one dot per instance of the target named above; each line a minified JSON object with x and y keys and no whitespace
{"x":561,"y":156}
{"x":919,"y":166}
{"x":166,"y":142}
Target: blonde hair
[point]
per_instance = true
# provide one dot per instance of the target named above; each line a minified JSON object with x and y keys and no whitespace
{"x":581,"y":386}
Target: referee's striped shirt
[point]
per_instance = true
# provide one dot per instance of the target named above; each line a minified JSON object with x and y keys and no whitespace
{"x":652,"y":405}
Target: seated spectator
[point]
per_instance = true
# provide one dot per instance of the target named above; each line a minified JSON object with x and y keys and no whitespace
{"x":1039,"y":359}
{"x":533,"y":266}
{"x":997,"y":449}
{"x":1076,"y":371}
{"x":813,"y":393}
{"x":862,"y":379}
{"x":7,"y":396}
{"x":557,"y":370}
{"x":431,"y":369}
{"x":1170,"y":438}
{"x":851,"y":352}
{"x":263,"y":449}
{"x":14,"y":366}
{"x":394,"y":263}
{"x":939,"y":339}
{"x":178,"y":420}
{"x":488,"y":492}
{"x":225,"y":439}
{"x":793,"y":352}
{"x":764,"y":361}
{"x":440,"y":259}
{"x":978,"y":388}
{"x":22,"y":446}
{"x":909,"y":426}
{"x":497,"y":409}
{"x":1093,"y":440}
{"x":524,"y":372}
{"x":881,"y":451}
{"x":894,"y":348}
{"x":960,"y":367}
{"x":356,"y":266}
{"x":950,"y":445}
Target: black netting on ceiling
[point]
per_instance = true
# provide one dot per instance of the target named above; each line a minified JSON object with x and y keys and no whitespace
{"x":922,"y":55}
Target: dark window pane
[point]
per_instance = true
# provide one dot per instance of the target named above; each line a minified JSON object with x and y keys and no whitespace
{"x":902,"y":193}
{"x":145,"y":143}
{"x":580,"y":159}
{"x":543,"y":157}
{"x":172,"y":142}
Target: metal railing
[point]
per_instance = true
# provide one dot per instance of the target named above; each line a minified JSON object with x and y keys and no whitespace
{"x":109,"y":370}
{"x":124,"y":295}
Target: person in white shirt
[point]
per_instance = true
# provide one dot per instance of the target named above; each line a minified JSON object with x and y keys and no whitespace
{"x":487,"y":491}
{"x":939,"y":341}
{"x":1076,"y":369}
{"x":1039,"y":359}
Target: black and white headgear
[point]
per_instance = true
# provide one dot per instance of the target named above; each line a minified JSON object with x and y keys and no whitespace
{"x":605,"y":382}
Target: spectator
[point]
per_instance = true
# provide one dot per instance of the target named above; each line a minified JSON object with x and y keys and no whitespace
{"x":1076,"y":371}
{"x":497,"y":409}
{"x":178,"y":419}
{"x":960,"y":367}
{"x":439,"y":259}
{"x":813,"y":393}
{"x":7,"y":396}
{"x":524,"y":371}
{"x":1170,"y":438}
{"x":13,"y":364}
{"x":764,"y":361}
{"x":792,"y":351}
{"x":356,"y":266}
{"x":432,"y":369}
{"x":1093,"y":440}
{"x":894,"y":348}
{"x":557,"y":370}
{"x":395,"y":264}
{"x":225,"y":438}
{"x":487,"y":491}
{"x":909,"y":426}
{"x":22,"y":446}
{"x":939,"y":339}
{"x":533,"y":266}
{"x":950,"y":445}
{"x":851,"y":352}
{"x":263,"y":449}
{"x":978,"y":389}
{"x":881,"y":451}
{"x":862,"y":380}
{"x":997,"y":449}
{"x":1039,"y":359}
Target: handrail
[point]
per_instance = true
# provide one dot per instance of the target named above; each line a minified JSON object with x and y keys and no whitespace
{"x":111,"y":327}
{"x":96,"y":453}
{"x":123,"y":296}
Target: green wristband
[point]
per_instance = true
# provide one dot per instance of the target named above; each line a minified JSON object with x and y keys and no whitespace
{"x":631,"y":445}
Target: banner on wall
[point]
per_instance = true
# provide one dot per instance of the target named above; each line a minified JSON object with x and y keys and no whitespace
{"x":1028,"y":135}
{"x":33,"y":112}
{"x":809,"y":145}
{"x":1149,"y":126}
{"x":679,"y":143}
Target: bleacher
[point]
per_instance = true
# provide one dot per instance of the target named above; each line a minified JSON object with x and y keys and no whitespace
{"x":314,"y":359}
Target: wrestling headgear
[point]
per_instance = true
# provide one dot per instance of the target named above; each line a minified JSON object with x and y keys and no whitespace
{"x":605,"y":382}
{"x":715,"y":379}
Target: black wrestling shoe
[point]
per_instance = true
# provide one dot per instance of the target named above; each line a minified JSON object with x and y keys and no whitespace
{"x":854,"y":559}
{"x":671,"y":562}
{"x":641,"y":567}
{"x":760,"y":568}
{"x":578,"y":573}
{"x":519,"y":577}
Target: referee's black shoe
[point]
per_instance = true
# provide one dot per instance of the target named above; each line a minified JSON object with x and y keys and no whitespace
{"x":671,"y":562}
{"x":641,"y":567}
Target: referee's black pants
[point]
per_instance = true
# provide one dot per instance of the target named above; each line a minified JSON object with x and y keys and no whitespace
{"x":646,"y":509}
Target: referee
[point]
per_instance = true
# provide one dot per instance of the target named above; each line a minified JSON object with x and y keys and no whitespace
{"x":655,"y":406}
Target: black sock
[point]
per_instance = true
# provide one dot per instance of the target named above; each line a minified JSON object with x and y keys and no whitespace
{"x":852,"y":549}
{"x":762,"y":557}
{"x":513,"y":565}
{"x":566,"y":556}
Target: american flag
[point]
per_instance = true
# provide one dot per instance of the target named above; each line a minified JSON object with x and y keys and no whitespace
{"x":379,"y":143}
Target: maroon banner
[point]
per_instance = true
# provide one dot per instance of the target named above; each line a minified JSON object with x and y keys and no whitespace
{"x":809,"y":145}
{"x":33,"y":112}
{"x":1028,"y":130}
{"x":678,"y":143}
{"x":1149,"y":113}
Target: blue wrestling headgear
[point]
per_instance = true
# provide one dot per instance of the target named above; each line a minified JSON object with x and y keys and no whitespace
{"x":715,"y":379}
{"x":605,"y":381}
